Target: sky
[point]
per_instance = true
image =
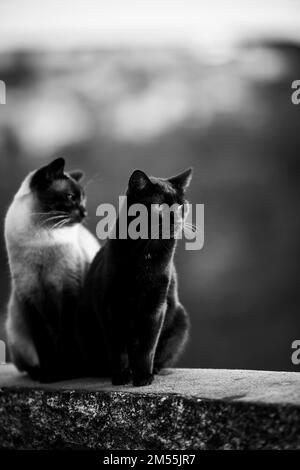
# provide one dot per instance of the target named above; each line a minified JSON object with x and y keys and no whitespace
{"x":117,"y":23}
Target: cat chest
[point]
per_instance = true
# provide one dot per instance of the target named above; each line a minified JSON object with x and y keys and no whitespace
{"x":138,"y":284}
{"x":53,"y":268}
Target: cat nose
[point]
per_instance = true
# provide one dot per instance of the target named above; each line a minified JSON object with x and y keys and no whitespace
{"x":80,"y":212}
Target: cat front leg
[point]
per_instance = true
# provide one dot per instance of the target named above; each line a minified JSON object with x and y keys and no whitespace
{"x":172,"y":339}
{"x":121,"y":373}
{"x":115,"y":326}
{"x":143,"y":347}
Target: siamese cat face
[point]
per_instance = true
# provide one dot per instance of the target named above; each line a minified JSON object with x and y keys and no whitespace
{"x":155,"y":192}
{"x":58,"y":194}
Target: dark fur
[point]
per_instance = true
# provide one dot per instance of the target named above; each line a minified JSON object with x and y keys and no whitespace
{"x":132,"y":324}
{"x":69,"y":197}
{"x":49,"y":319}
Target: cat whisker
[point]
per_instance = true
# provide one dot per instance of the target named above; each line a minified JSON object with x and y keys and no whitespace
{"x":190,"y":224}
{"x":67,"y":221}
{"x":49,"y":213}
{"x":188,"y":230}
{"x":60,"y":224}
{"x":52,"y":218}
{"x":191,"y":227}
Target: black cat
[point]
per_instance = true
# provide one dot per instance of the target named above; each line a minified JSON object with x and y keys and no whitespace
{"x":132,"y":323}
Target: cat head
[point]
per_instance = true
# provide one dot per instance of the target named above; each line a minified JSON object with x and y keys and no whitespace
{"x":58,"y":194}
{"x":154,"y":192}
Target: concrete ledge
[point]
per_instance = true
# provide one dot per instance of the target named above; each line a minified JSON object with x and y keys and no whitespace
{"x":184,"y":409}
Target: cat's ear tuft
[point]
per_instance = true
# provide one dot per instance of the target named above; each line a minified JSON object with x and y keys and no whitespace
{"x":182,"y":181}
{"x":77,"y":175}
{"x":138,"y":181}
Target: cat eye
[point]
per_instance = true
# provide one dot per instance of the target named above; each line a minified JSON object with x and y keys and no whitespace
{"x":71,"y":197}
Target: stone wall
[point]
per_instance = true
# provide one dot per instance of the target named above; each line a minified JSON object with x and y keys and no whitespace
{"x":184,"y":409}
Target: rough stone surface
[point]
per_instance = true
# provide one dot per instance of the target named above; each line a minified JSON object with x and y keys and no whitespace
{"x":184,"y":409}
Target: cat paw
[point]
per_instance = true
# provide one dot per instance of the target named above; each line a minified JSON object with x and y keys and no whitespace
{"x":157,"y":369}
{"x":122,"y":378}
{"x":142,"y":381}
{"x":34,"y":373}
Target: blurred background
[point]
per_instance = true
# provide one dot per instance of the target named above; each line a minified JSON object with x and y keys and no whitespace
{"x":160,"y":86}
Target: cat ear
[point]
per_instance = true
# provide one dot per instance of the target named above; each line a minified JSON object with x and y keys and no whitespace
{"x":77,"y":175}
{"x":182,"y":180}
{"x":55,"y":169}
{"x":48,"y":173}
{"x":138,"y":180}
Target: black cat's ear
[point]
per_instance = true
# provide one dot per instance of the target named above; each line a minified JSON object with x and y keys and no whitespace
{"x":182,"y":181}
{"x":77,"y":175}
{"x":138,"y":181}
{"x":48,"y":173}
